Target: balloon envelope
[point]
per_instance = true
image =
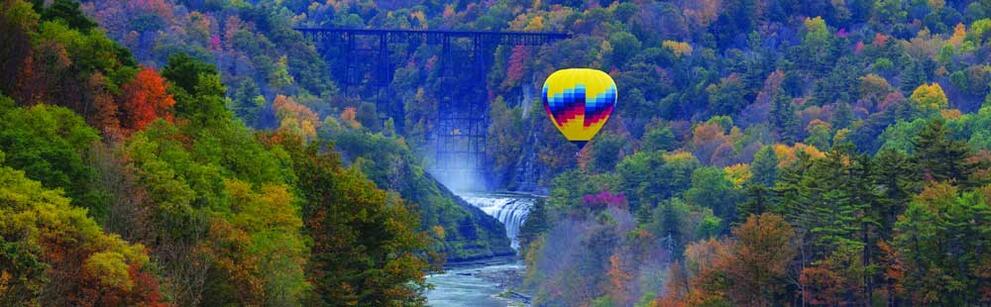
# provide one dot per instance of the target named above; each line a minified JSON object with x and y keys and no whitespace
{"x":579,"y":102}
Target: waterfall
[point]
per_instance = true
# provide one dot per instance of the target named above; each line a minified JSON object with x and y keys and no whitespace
{"x":511,"y":210}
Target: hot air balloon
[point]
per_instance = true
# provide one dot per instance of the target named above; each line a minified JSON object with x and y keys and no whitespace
{"x":579,"y":102}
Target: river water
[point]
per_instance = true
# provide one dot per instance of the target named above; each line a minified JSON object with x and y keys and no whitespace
{"x":473,"y":285}
{"x":486,"y":283}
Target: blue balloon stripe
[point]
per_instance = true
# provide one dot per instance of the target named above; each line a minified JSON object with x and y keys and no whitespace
{"x":563,"y":104}
{"x":601,"y":102}
{"x":566,"y":99}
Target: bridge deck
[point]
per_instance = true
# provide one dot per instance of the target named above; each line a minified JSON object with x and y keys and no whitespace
{"x":454,"y":33}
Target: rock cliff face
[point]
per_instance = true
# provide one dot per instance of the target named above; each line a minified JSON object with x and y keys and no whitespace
{"x":527,"y":171}
{"x":474,"y":234}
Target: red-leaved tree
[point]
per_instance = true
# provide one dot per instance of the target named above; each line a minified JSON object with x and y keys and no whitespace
{"x":145,"y":99}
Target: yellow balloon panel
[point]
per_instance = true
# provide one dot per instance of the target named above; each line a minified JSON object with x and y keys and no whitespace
{"x":579,"y":101}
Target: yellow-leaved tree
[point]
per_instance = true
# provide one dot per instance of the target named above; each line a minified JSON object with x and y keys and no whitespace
{"x":929,"y":96}
{"x":52,"y":254}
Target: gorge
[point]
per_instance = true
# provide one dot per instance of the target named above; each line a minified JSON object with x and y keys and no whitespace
{"x":488,"y":282}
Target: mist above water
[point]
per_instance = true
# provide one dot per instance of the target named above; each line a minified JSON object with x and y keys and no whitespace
{"x":461,"y":181}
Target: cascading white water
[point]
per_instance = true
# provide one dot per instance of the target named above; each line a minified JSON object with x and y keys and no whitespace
{"x":509,"y":209}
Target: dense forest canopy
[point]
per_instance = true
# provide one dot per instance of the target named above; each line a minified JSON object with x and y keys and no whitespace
{"x":127,"y":185}
{"x":202,"y":152}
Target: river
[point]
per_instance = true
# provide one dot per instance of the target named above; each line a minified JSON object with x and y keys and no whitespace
{"x":482,"y":285}
{"x":489,"y":282}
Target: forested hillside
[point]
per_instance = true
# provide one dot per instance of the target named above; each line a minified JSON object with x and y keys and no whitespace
{"x":128,"y":185}
{"x":783,"y":71}
{"x":762,"y":153}
{"x":272,"y":73}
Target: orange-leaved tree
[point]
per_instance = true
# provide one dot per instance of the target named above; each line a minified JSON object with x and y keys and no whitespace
{"x":146,"y":99}
{"x":750,"y":270}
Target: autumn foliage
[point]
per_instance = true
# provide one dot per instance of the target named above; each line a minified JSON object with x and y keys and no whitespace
{"x":145,"y":99}
{"x":53,"y":254}
{"x":103,"y":204}
{"x":295,"y":118}
{"x":766,"y":153}
{"x":752,"y":271}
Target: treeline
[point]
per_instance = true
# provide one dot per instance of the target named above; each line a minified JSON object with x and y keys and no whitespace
{"x":784,"y":71}
{"x":121,"y":184}
{"x":792,"y":228}
{"x":827,"y":154}
{"x":726,"y":107}
{"x":275,"y":79}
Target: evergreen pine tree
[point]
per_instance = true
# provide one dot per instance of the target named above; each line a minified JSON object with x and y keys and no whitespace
{"x":865,"y":197}
{"x":898,"y":180}
{"x":792,"y":203}
{"x":758,"y":200}
{"x":843,"y":116}
{"x":940,"y":157}
{"x":765,"y":167}
{"x":783,"y":119}
{"x":836,"y":213}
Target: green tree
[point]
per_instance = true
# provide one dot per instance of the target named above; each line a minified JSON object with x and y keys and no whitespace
{"x":247,"y":102}
{"x":819,"y":135}
{"x":757,"y":201}
{"x":896,"y":175}
{"x":887,"y":13}
{"x":537,"y":222}
{"x":659,"y":138}
{"x":764,"y":167}
{"x":671,"y":225}
{"x":200,"y":94}
{"x":980,"y":31}
{"x":940,"y":239}
{"x":836,"y":208}
{"x":202,"y":222}
{"x":506,"y":135}
{"x":728,"y":96}
{"x":184,"y":72}
{"x":51,"y":145}
{"x":624,"y":47}
{"x":66,"y":11}
{"x":817,"y":196}
{"x":365,"y":244}
{"x":816,"y":47}
{"x":606,"y":151}
{"x":941,"y":157}
{"x":637,"y":175}
{"x":711,"y":189}
{"x":783,"y":119}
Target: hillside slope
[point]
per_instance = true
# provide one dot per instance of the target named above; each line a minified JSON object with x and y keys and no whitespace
{"x":469,"y":232}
